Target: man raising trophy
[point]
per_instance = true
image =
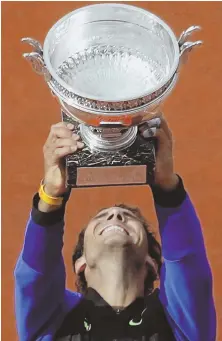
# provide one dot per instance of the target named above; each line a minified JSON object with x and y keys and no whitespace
{"x":110,"y":66}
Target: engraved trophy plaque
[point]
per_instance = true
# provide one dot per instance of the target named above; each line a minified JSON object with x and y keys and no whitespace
{"x":110,"y":66}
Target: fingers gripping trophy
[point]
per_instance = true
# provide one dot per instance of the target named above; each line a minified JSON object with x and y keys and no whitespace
{"x":111,"y":66}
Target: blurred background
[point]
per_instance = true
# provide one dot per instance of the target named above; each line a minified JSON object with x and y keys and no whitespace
{"x":194,"y":113}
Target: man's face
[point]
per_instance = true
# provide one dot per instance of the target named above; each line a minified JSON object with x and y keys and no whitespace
{"x":114,"y":228}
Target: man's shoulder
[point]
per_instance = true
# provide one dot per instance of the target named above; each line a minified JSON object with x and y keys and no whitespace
{"x":77,"y":314}
{"x":155,"y":314}
{"x":154,"y":309}
{"x":152,"y":298}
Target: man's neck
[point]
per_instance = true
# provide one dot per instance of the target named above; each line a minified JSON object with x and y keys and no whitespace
{"x":117,"y":281}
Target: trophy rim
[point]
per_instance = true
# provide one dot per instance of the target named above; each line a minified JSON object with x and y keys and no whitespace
{"x":118,"y":112}
{"x":97,"y":98}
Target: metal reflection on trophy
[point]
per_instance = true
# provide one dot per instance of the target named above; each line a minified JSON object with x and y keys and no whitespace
{"x":111,"y":66}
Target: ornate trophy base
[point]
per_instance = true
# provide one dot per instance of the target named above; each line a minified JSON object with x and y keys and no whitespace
{"x":131,"y":166}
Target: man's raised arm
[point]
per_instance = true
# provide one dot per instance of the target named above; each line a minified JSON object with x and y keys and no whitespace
{"x":41,"y":300}
{"x":186,"y":279}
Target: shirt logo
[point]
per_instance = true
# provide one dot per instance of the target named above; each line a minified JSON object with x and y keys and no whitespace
{"x":133,"y":323}
{"x":87,"y":325}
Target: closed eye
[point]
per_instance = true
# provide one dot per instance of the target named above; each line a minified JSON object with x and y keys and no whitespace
{"x":127,"y":214}
{"x":101,"y":215}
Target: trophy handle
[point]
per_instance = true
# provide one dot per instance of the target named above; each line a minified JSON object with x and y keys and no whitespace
{"x":34,"y":43}
{"x":186,"y":46}
{"x":36,"y":58}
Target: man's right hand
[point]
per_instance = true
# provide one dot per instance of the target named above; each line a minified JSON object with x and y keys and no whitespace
{"x":60,"y":142}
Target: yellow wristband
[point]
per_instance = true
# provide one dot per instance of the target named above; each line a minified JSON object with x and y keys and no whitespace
{"x":47,"y":199}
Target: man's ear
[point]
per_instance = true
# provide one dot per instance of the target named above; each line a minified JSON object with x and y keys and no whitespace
{"x":80,"y":265}
{"x":151,"y":263}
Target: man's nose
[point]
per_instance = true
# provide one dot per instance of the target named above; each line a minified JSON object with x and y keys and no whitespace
{"x":116,"y":214}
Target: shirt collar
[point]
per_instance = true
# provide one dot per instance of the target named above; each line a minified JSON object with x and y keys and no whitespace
{"x":134,"y":308}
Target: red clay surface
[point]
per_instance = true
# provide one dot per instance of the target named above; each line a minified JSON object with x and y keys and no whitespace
{"x":194,"y":112}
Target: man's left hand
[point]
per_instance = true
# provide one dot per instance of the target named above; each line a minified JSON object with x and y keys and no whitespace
{"x":164,"y":175}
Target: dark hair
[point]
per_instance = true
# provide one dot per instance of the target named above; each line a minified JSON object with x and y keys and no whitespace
{"x":153,"y":247}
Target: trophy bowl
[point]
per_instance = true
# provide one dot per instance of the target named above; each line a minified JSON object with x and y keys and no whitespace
{"x":110,"y":66}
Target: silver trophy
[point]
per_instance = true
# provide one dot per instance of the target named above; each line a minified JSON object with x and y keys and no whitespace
{"x":111,"y":66}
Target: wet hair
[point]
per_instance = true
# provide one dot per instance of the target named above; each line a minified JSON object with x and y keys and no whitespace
{"x":154,"y":250}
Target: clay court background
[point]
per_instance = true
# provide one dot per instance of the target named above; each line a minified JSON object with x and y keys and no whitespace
{"x":194,"y":112}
